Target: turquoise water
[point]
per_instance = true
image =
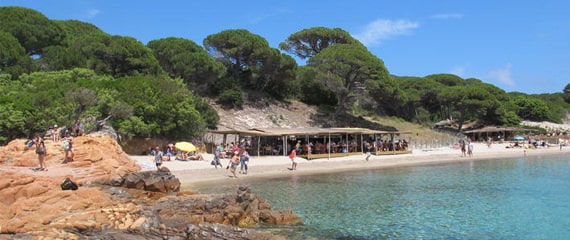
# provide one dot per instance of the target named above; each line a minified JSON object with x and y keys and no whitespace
{"x":525,"y":198}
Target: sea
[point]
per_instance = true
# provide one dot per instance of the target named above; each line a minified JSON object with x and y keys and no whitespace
{"x":515,"y":198}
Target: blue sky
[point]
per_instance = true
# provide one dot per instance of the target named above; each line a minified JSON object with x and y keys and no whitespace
{"x":519,"y":45}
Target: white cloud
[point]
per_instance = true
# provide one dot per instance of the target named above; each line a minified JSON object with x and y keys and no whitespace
{"x":376,"y":32}
{"x":503,"y":75}
{"x":459,"y":71}
{"x":448,"y":16}
{"x":91,"y":13}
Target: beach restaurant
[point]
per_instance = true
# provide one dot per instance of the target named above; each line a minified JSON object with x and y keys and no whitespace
{"x":496,"y":133}
{"x":312,"y":143}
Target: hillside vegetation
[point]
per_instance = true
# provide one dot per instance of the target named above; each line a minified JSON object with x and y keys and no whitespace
{"x":58,"y":72}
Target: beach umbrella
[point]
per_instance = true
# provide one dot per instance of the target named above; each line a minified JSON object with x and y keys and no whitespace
{"x":185,"y":146}
{"x":519,"y":138}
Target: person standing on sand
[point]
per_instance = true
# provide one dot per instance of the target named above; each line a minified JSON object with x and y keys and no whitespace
{"x":293,"y":157}
{"x":243,"y":161}
{"x":470,"y":149}
{"x":463,"y":148}
{"x":158,"y":157}
{"x":41,"y":151}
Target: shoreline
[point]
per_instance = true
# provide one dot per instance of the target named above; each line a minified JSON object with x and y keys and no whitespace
{"x":201,"y":173}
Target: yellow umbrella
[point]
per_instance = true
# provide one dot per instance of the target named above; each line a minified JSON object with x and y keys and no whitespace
{"x":185,"y":146}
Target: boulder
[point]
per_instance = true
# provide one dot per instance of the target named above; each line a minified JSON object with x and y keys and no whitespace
{"x":154,"y":181}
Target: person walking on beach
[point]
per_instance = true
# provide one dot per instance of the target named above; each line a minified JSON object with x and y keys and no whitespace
{"x":293,"y":157}
{"x":217,"y":154}
{"x":234,"y":162}
{"x":367,"y":149}
{"x":470,"y":149}
{"x":158,"y":157}
{"x":243,"y":161}
{"x":41,"y":151}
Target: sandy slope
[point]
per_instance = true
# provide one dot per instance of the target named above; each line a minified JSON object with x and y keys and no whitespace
{"x":193,"y":173}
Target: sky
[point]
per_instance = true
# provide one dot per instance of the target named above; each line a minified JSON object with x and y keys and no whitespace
{"x":516,"y":45}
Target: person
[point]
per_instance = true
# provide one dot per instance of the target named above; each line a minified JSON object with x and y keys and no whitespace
{"x":234,"y":162}
{"x":221,"y":149}
{"x":195,"y":156}
{"x":182,"y":155}
{"x":217,"y":154}
{"x":243,"y":160}
{"x":463,"y":150}
{"x":67,"y":144}
{"x":41,"y":151}
{"x":229,"y":150}
{"x":78,"y":128}
{"x":55,"y":134}
{"x":158,"y":157}
{"x":470,"y":149}
{"x":293,"y":157}
{"x":169,"y":152}
{"x":367,"y":148}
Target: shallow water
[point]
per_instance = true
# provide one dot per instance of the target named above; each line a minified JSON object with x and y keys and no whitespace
{"x":525,"y":198}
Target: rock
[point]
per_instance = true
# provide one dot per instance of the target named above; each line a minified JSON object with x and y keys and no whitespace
{"x":230,"y":209}
{"x":154,"y":181}
{"x":33,"y":206}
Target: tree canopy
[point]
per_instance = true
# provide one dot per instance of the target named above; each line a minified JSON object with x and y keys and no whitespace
{"x":182,"y":58}
{"x":55,"y":71}
{"x":33,"y":30}
{"x":344,"y":68}
{"x":309,"y":42}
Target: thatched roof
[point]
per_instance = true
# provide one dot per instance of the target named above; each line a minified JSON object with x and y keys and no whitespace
{"x":303,"y":131}
{"x":496,"y":129}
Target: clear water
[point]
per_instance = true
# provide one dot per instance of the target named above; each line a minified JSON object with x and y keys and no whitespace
{"x":526,"y":198}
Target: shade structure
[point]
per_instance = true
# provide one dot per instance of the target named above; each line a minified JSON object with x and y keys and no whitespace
{"x":185,"y":146}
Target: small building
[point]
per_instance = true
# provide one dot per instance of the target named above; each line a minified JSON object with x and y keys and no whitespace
{"x":496,"y":133}
{"x":312,"y":143}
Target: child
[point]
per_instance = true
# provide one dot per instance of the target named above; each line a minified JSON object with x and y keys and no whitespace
{"x":158,"y":157}
{"x":293,"y":157}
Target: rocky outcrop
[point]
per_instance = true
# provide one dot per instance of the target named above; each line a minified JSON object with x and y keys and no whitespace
{"x":242,"y":208}
{"x":154,"y":181}
{"x":32,"y":203}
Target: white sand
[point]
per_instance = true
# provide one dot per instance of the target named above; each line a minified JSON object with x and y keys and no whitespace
{"x":193,"y":173}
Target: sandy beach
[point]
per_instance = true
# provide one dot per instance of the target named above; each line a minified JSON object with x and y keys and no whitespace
{"x":196,"y":173}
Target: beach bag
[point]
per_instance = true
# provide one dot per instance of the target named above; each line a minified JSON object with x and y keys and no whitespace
{"x":64,"y":144}
{"x":67,"y":184}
